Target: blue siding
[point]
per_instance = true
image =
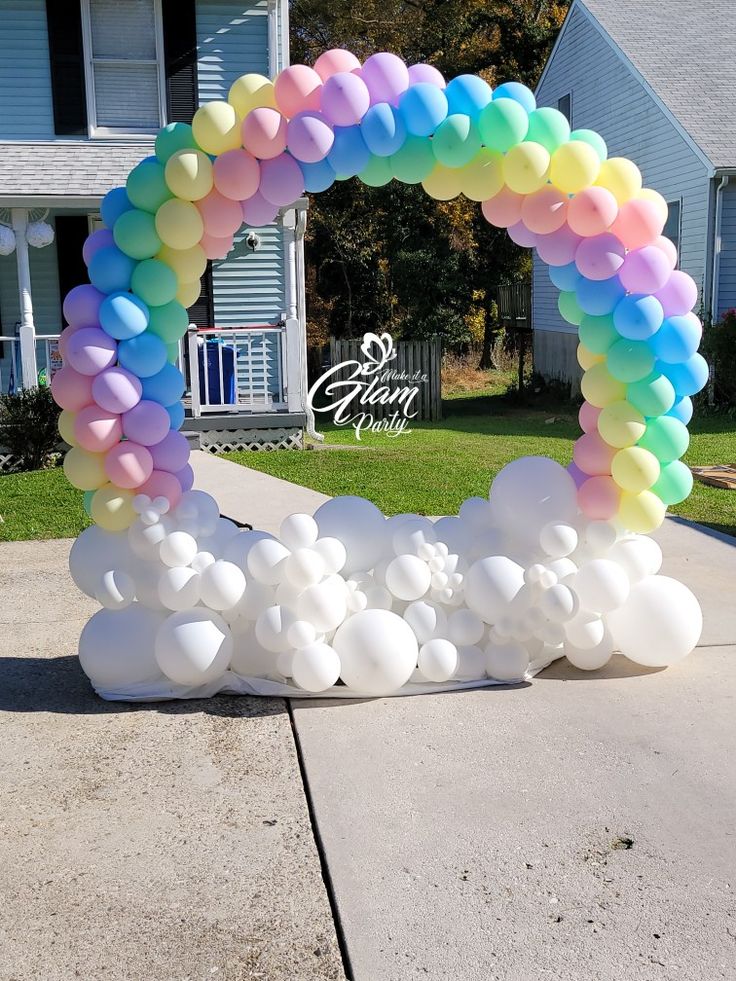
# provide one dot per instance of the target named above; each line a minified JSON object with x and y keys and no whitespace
{"x":727,"y":273}
{"x":608,"y":97}
{"x":232,"y":39}
{"x":26,"y":110}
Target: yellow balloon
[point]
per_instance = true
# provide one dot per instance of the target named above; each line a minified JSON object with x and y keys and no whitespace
{"x":641,"y":512}
{"x":251,"y":92}
{"x":621,"y":177}
{"x":649,"y":194}
{"x":482,"y":178}
{"x":574,"y":166}
{"x":525,"y":167}
{"x":188,"y":292}
{"x":85,"y":470}
{"x":188,"y":264}
{"x":635,"y":469}
{"x":179,"y":224}
{"x":66,"y":426}
{"x":188,"y":174}
{"x":443,"y":183}
{"x":586,"y":358}
{"x":620,"y":424}
{"x":600,"y":388}
{"x":112,"y":508}
{"x":216,"y":127}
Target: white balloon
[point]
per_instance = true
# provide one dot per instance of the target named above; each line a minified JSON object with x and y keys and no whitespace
{"x":558,"y":603}
{"x":456,"y":534}
{"x":358,"y":524}
{"x":600,"y":536}
{"x":529,"y":493}
{"x":201,"y":560}
{"x":507,"y":662}
{"x":217,"y":542}
{"x":491,"y":584}
{"x":490,"y":542}
{"x":407,"y":577}
{"x":601,"y":585}
{"x":116,"y":647}
{"x":178,"y":548}
{"x":378,"y":597}
{"x":315,"y":668}
{"x":585,"y":631}
{"x":659,"y":624}
{"x":179,"y":588}
{"x":558,"y":539}
{"x":464,"y":628}
{"x":146,"y":576}
{"x":301,"y":634}
{"x":287,"y":594}
{"x":638,"y":556}
{"x":476,"y":513}
{"x":255,"y":599}
{"x":284,"y":662}
{"x":438,"y":659}
{"x":115,"y":590}
{"x":332,"y":552}
{"x":237,"y":549}
{"x":194,"y":647}
{"x":298,"y":531}
{"x":202,"y":508}
{"x":411,"y":535}
{"x":323,"y":605}
{"x":471,"y":664}
{"x":304,"y":567}
{"x":377,"y":650}
{"x":145,"y":539}
{"x":222,"y":585}
{"x":94,"y":553}
{"x":266,"y":561}
{"x":272,"y":628}
{"x":250,"y":659}
{"x":589,"y":658}
{"x":562,"y":568}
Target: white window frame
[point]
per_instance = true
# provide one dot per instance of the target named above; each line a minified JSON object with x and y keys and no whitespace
{"x":114,"y":132}
{"x":678,"y":201}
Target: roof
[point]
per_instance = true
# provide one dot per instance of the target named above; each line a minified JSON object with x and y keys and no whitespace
{"x":65,"y":170}
{"x":684,"y":50}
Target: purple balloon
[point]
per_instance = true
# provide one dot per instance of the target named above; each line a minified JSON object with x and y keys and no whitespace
{"x":309,"y":137}
{"x":116,"y":390}
{"x":520,"y":234}
{"x":257,"y":211}
{"x":558,"y":248}
{"x":345,"y":99}
{"x":146,"y":423}
{"x":577,"y":474}
{"x":282,"y":180}
{"x":171,"y":453}
{"x":645,"y":270}
{"x":90,"y":350}
{"x":82,"y":306}
{"x":386,"y":76}
{"x":100,"y":239}
{"x":679,"y":294}
{"x":185,"y":476}
{"x":600,"y":256}
{"x":426,"y":73}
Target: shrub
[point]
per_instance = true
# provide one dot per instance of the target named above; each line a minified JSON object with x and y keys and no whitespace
{"x":28,"y":427}
{"x":718,"y":347}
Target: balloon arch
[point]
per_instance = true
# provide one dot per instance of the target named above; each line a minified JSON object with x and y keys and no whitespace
{"x":556,"y":560}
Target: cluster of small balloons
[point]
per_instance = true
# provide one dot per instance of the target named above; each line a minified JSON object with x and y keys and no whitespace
{"x":375,"y":603}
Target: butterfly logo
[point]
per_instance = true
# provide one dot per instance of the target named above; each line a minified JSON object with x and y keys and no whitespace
{"x":377,"y":351}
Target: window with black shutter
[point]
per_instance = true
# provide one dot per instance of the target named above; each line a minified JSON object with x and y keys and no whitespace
{"x":66,"y":59}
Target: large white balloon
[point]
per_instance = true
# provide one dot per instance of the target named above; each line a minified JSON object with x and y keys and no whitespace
{"x":464,"y":628}
{"x":377,"y":650}
{"x":426,"y":619}
{"x":94,"y":553}
{"x":491,"y":584}
{"x":456,"y":534}
{"x":638,"y":556}
{"x":115,"y":590}
{"x":506,"y":662}
{"x":237,"y":549}
{"x":298,"y":531}
{"x":589,"y":658}
{"x":178,"y":548}
{"x":194,"y":647}
{"x":333,"y":554}
{"x":145,"y":539}
{"x":250,"y":659}
{"x":199,"y":508}
{"x":316,"y":667}
{"x":222,"y":585}
{"x":529,"y":493}
{"x":266,"y":561}
{"x":304,"y":567}
{"x":407,"y":577}
{"x":659,"y":624}
{"x":359,"y":525}
{"x":585,"y":631}
{"x":601,"y":585}
{"x":558,"y":539}
{"x":471,"y":664}
{"x":116,"y":648}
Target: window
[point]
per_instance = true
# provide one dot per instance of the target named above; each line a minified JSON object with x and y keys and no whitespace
{"x":123,"y":52}
{"x":565,"y":106}
{"x":672,"y":225}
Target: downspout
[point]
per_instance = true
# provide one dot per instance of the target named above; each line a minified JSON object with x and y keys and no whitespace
{"x":284,"y":32}
{"x":273,"y":38}
{"x":301,"y":224}
{"x":717,"y":245}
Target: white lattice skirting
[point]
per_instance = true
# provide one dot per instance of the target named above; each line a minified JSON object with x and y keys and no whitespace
{"x":224,"y":441}
{"x":7,"y":461}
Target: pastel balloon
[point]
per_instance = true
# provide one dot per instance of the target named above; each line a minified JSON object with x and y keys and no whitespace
{"x":574,"y":166}
{"x":634,"y":469}
{"x":521,"y":235}
{"x":169,"y":321}
{"x":143,"y":355}
{"x":588,"y":417}
{"x":176,"y":416}
{"x":71,"y":390}
{"x":317,"y":176}
{"x":545,"y":210}
{"x":548,"y":127}
{"x":569,"y":307}
{"x":503,"y":209}
{"x":600,"y":388}
{"x":377,"y":173}
{"x":179,"y":223}
{"x":112,"y":508}
{"x":297,"y":89}
{"x":456,"y":141}
{"x":600,"y":257}
{"x":349,"y":154}
{"x":564,"y":277}
{"x":383,"y":129}
{"x":310,"y":136}
{"x":482,"y":178}
{"x":598,"y":333}
{"x":667,"y":438}
{"x":265,"y":133}
{"x":216,"y":127}
{"x":639,"y":223}
{"x":687,"y":377}
{"x":172,"y":138}
{"x":642,"y":512}
{"x":593,"y":139}
{"x":675,"y":483}
{"x":592,"y":455}
{"x":146,"y":186}
{"x":282,"y":181}
{"x":128,"y":464}
{"x":592,"y":211}
{"x":221,"y":216}
{"x":65,"y":425}
{"x":162,"y":484}
{"x":668,"y":248}
{"x":678,"y":295}
{"x":84,"y":470}
{"x":113,"y":205}
{"x":236,"y":174}
{"x":386,"y":76}
{"x":185,"y":476}
{"x":154,"y":282}
{"x":65,"y":337}
{"x":165,"y":387}
{"x":123,"y":315}
{"x":146,"y":423}
{"x":426,"y":73}
{"x":468,"y":95}
{"x":215,"y":248}
{"x":638,"y":317}
{"x":682,"y":409}
{"x":257,"y":211}
{"x":677,"y":339}
{"x":620,"y":424}
{"x":525,"y":167}
{"x":645,"y":270}
{"x":630,"y":361}
{"x":345,"y":99}
{"x":559,"y":247}
{"x":135,"y":234}
{"x":621,"y":177}
{"x":100,"y":239}
{"x":82,"y":304}
{"x":110,"y":270}
{"x":599,"y":498}
{"x":188,"y":264}
{"x":251,"y":91}
{"x":653,"y":395}
{"x":189,"y":174}
{"x":422,"y":108}
{"x":96,"y":430}
{"x":414,"y":161}
{"x":599,"y":297}
{"x":518,"y":92}
{"x":335,"y":60}
{"x":171,"y":453}
{"x":502,"y":124}
{"x":91,"y":350}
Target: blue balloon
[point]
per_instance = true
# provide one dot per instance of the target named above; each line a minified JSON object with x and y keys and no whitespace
{"x":422,"y":107}
{"x":123,"y":315}
{"x":383,"y":129}
{"x":176,"y":414}
{"x":677,"y":339}
{"x":565,"y":278}
{"x":317,"y":176}
{"x":166,"y":387}
{"x":110,"y":270}
{"x":144,"y":355}
{"x":682,"y":409}
{"x":599,"y":297}
{"x":638,"y":316}
{"x":518,"y":92}
{"x":468,"y":94}
{"x":349,"y":154}
{"x":688,"y":377}
{"x":114,"y":204}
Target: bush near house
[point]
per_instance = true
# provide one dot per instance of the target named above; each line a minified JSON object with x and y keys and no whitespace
{"x":719,"y":350}
{"x":29,"y":427}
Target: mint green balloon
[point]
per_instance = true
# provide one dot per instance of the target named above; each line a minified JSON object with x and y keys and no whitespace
{"x":174,"y":137}
{"x":502,"y":124}
{"x":146,"y":186}
{"x":135,"y":234}
{"x":675,"y":482}
{"x":598,"y":333}
{"x":629,"y":361}
{"x":456,"y":141}
{"x":154,"y":282}
{"x":593,"y":139}
{"x":548,"y":127}
{"x":567,"y":304}
{"x":172,"y":352}
{"x":666,"y":437}
{"x":170,"y":321}
{"x":413,"y":161}
{"x":652,"y":396}
{"x":87,"y":502}
{"x":377,"y":173}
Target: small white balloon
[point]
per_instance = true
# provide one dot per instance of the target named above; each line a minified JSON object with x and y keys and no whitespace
{"x":266,"y":561}
{"x":272,"y":628}
{"x":585,"y":631}
{"x":491,"y":584}
{"x":377,"y":650}
{"x":304,"y":567}
{"x":150,"y":516}
{"x":323,"y":605}
{"x":438,"y":659}
{"x":601,"y":585}
{"x":116,"y":590}
{"x":255,"y":599}
{"x":179,"y":588}
{"x":638,"y":556}
{"x":201,"y":560}
{"x":116,"y":647}
{"x":558,"y":539}
{"x":562,"y":568}
{"x":600,"y":536}
{"x":589,"y":658}
{"x":222,"y":585}
{"x":332,"y":552}
{"x":145,"y":539}
{"x":298,"y":531}
{"x":507,"y":662}
{"x":250,"y":659}
{"x":411,"y":535}
{"x":464,"y":628}
{"x":558,"y":603}
{"x":301,"y":634}
{"x":427,"y":620}
{"x":178,"y":548}
{"x":659,"y":624}
{"x":315,"y":668}
{"x":407,"y":577}
{"x":358,"y":524}
{"x":194,"y":647}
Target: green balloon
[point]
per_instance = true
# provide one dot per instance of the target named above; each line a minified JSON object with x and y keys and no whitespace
{"x":172,"y":352}
{"x":456,"y":141}
{"x":413,"y":161}
{"x":155,"y":282}
{"x":630,"y":361}
{"x":666,"y":437}
{"x":567,"y":304}
{"x":652,"y":396}
{"x":502,"y":124}
{"x":87,"y":502}
{"x":675,"y":482}
{"x":174,"y":137}
{"x":598,"y":333}
{"x":377,"y":172}
{"x":146,"y":186}
{"x":548,"y":127}
{"x":170,"y":321}
{"x":593,"y":139}
{"x":135,"y":234}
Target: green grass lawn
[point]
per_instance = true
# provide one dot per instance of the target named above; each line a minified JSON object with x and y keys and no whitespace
{"x":41,"y":504}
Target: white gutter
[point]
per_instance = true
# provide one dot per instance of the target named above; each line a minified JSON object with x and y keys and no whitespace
{"x":273,"y":38}
{"x":284,"y":29}
{"x":301,"y":224}
{"x":717,"y":247}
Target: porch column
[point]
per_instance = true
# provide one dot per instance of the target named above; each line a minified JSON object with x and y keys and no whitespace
{"x":294,"y":394}
{"x":27,"y":328}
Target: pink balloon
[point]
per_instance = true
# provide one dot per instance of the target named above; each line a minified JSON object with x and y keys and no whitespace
{"x":428,"y":74}
{"x":504,"y":209}
{"x":297,"y":89}
{"x":216,"y":248}
{"x":600,"y":257}
{"x":90,"y":350}
{"x":282,"y":180}
{"x":236,"y":174}
{"x":558,"y":248}
{"x":386,"y":76}
{"x":71,"y":390}
{"x":645,"y":270}
{"x":65,"y":337}
{"x":116,"y":390}
{"x":82,"y":306}
{"x":264,"y":133}
{"x":257,"y":211}
{"x":598,"y":498}
{"x":128,"y":464}
{"x":310,"y":137}
{"x":97,"y":430}
{"x":592,"y":211}
{"x":146,"y":423}
{"x":588,"y":417}
{"x":221,"y":216}
{"x":522,"y":236}
{"x":668,"y":248}
{"x":593,"y":455}
{"x":162,"y":484}
{"x":345,"y":99}
{"x":545,"y":210}
{"x":335,"y":60}
{"x":639,"y":223}
{"x":185,"y":476}
{"x":171,"y":453}
{"x":678,"y":295}
{"x":100,"y":239}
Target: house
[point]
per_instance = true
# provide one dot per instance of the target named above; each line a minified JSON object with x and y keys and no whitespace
{"x":657,"y":80}
{"x":84,"y":87}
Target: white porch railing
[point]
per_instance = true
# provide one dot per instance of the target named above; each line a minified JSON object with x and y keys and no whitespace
{"x":47,"y":360}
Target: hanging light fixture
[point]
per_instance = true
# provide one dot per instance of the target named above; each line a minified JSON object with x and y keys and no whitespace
{"x":7,"y":240}
{"x":39,"y":233}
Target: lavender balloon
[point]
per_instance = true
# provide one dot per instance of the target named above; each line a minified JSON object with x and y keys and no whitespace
{"x":82,"y":306}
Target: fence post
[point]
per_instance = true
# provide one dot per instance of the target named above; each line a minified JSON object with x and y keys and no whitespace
{"x":27,"y":331}
{"x":192,"y":348}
